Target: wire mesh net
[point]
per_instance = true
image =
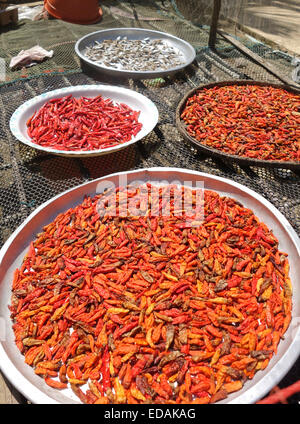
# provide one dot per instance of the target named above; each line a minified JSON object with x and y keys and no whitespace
{"x":29,"y":177}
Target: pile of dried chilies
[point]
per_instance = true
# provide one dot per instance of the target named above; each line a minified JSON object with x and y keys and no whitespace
{"x":150,"y":309}
{"x":71,"y":123}
{"x":256,"y":122}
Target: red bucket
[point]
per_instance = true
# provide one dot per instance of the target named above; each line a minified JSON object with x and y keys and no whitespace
{"x":75,"y":11}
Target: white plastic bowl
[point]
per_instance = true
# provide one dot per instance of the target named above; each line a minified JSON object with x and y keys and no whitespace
{"x":136,"y":101}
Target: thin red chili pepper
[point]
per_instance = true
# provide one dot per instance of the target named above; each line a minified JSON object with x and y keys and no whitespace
{"x":282,"y":394}
{"x":83,"y":124}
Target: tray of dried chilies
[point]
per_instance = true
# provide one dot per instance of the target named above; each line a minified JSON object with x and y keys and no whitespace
{"x":84,"y":120}
{"x":114,"y":298}
{"x":248,"y":122}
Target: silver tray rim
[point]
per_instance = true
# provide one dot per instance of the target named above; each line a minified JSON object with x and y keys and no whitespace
{"x":267,"y":379}
{"x":135,"y":74}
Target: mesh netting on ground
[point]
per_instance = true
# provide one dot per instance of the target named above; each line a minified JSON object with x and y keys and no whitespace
{"x":28,"y":177}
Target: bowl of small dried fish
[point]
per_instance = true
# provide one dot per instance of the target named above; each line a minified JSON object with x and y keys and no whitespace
{"x":134,"y":52}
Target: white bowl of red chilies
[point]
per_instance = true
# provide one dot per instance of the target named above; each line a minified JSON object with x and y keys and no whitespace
{"x":82,"y":121}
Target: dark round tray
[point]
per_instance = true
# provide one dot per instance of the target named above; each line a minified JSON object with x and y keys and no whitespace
{"x":219,"y":154}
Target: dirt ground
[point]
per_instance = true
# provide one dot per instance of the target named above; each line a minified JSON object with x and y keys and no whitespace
{"x":275,"y":22}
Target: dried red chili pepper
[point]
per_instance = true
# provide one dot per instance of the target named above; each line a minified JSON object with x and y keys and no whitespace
{"x":260,"y":122}
{"x":182,"y":314}
{"x":70,"y":123}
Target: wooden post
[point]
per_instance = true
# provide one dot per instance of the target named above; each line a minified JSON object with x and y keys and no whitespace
{"x":214,"y":24}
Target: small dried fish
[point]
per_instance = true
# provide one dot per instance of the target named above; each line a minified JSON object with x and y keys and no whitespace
{"x":135,"y":55}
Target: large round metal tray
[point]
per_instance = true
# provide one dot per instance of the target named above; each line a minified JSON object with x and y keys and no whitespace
{"x":136,"y":101}
{"x":217,"y":153}
{"x":134,"y":34}
{"x":34,"y":388}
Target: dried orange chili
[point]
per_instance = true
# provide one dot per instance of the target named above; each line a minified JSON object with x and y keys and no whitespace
{"x":151,"y":308}
{"x":256,"y":122}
